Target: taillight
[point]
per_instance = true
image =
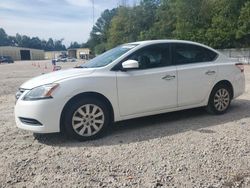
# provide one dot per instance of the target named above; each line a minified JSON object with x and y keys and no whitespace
{"x":240,"y":66}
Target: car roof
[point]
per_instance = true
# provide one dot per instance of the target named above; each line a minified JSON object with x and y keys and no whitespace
{"x":148,"y":42}
{"x":163,"y":41}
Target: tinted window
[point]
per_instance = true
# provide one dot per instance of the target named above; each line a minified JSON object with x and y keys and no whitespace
{"x":188,"y":53}
{"x":152,"y":56}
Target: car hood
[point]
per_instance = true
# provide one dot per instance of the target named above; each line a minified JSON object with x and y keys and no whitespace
{"x":55,"y":76}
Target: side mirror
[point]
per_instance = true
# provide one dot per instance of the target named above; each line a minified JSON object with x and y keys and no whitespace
{"x":130,"y":64}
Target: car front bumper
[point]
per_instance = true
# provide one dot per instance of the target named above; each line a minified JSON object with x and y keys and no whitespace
{"x":41,"y":116}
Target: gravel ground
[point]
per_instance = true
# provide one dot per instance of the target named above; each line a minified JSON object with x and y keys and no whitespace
{"x":181,"y":149}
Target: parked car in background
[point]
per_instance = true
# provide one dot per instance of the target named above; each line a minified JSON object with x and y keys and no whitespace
{"x":61,"y":60}
{"x":71,"y":59}
{"x":66,"y":59}
{"x":6,"y":59}
{"x":132,"y":80}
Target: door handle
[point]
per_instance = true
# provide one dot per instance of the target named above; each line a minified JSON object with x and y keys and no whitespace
{"x":168,"y":77}
{"x":210,"y":72}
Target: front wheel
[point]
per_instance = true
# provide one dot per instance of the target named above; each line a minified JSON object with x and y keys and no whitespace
{"x":86,"y":119}
{"x":220,"y":100}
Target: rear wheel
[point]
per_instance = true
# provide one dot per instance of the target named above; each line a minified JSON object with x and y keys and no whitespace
{"x":220,"y":100}
{"x":86,"y":119}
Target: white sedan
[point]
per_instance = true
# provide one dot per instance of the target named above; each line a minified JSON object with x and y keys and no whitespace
{"x":132,"y":80}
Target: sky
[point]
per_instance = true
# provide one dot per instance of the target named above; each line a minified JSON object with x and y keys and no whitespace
{"x":71,"y":20}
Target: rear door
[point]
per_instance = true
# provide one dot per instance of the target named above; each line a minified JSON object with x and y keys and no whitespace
{"x":196,"y":72}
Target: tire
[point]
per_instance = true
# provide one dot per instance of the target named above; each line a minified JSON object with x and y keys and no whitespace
{"x":219,"y":100}
{"x":86,"y":119}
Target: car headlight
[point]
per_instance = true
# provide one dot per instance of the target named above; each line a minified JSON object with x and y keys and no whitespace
{"x":41,"y":92}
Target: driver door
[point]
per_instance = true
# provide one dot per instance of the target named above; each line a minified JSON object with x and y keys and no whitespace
{"x":151,"y":87}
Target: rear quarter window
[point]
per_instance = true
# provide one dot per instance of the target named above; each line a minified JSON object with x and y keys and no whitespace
{"x":189,"y":53}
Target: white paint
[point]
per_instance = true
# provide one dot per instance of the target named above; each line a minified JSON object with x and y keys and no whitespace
{"x":133,"y":93}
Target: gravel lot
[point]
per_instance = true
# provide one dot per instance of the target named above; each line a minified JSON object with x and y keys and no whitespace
{"x":181,"y":149}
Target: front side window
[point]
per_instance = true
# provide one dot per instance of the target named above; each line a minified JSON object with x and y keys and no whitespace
{"x":189,"y":53}
{"x":108,"y":57}
{"x":152,"y":56}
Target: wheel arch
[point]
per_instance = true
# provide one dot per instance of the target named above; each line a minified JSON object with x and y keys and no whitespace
{"x":225,"y":83}
{"x":95,"y":95}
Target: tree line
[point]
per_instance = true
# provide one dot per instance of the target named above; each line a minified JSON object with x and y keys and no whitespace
{"x":30,"y":42}
{"x":35,"y":42}
{"x":219,"y":24}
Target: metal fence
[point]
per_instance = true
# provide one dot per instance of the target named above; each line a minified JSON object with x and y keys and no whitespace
{"x":243,"y":55}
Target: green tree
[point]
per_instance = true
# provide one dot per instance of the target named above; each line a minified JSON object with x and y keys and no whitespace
{"x":223,"y":29}
{"x":132,"y":24}
{"x":74,"y":45}
{"x":144,"y":18}
{"x":4,"y":41}
{"x":12,"y":41}
{"x":193,"y":18}
{"x":25,"y":41}
{"x":100,"y":31}
{"x":59,"y":46}
{"x":165,"y":20}
{"x":243,"y":32}
{"x":28,"y":42}
{"x":35,"y":42}
{"x":50,"y":46}
{"x":121,"y":29}
{"x":100,"y":48}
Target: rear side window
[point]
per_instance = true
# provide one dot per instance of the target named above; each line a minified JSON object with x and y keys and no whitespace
{"x":189,"y":53}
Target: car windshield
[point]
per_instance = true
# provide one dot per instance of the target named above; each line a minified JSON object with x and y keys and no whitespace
{"x":108,"y":57}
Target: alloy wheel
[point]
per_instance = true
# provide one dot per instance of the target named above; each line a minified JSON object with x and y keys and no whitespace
{"x":88,"y":120}
{"x":221,"y":99}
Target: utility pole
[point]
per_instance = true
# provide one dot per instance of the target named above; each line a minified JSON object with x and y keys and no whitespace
{"x":93,"y":9}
